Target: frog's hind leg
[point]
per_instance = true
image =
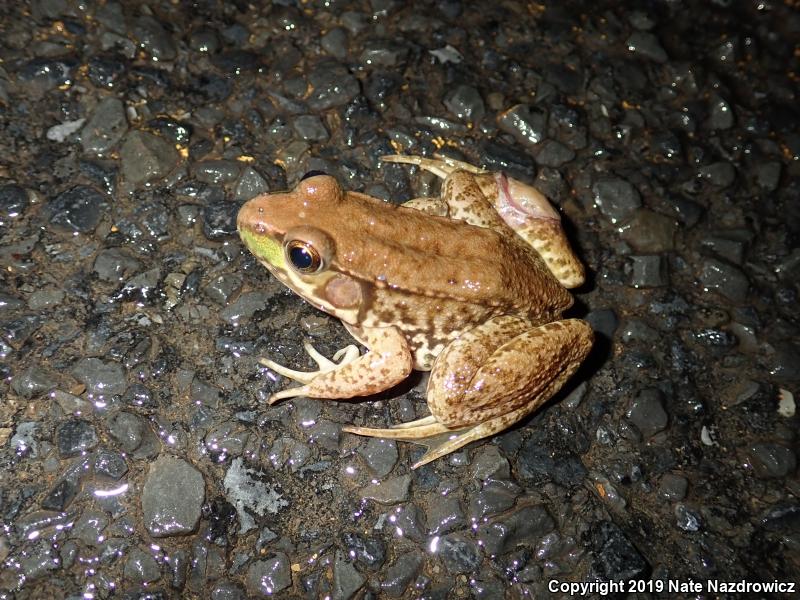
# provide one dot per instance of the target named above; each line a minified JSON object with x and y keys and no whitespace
{"x":490,"y":378}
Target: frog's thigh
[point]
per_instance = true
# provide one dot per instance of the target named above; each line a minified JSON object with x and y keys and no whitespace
{"x":517,"y":377}
{"x":467,"y":202}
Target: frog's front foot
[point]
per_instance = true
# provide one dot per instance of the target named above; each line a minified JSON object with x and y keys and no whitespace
{"x":344,"y":356}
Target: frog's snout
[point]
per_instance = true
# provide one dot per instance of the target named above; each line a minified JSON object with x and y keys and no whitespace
{"x":252,"y":216}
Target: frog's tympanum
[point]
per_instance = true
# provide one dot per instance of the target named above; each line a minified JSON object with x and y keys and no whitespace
{"x":470,"y":286}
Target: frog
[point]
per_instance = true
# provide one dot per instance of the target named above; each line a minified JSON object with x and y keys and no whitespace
{"x":469,"y":285}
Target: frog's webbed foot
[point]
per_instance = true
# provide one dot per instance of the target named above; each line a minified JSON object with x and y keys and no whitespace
{"x":344,"y":356}
{"x":442,"y":166}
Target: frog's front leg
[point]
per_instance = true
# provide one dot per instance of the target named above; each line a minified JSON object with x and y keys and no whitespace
{"x":387,"y":363}
{"x":490,"y":378}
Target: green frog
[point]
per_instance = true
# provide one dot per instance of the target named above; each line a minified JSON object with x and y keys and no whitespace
{"x":470,"y":286}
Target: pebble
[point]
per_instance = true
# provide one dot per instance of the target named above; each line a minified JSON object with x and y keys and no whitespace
{"x":332,"y":85}
{"x":33,"y":381}
{"x":141,"y":287}
{"x":79,"y":209}
{"x":61,"y":132}
{"x":526,"y":124}
{"x":115,"y":265}
{"x":554,"y":154}
{"x":24,"y":441}
{"x":465,"y":103}
{"x":227,"y":590}
{"x":603,"y":321}
{"x":74,"y":437}
{"x":13,"y":201}
{"x":768,"y":175}
{"x":334,"y":42}
{"x":310,"y":128}
{"x":380,"y":456}
{"x":101,"y":378}
{"x":383,"y":53}
{"x":249,"y":185}
{"x":110,"y":464}
{"x":646,"y":44}
{"x":686,"y":519}
{"x":726,"y":245}
{"x":106,"y":126}
{"x":648,"y":271}
{"x":489,"y":463}
{"x":346,"y":578}
{"x":61,"y":494}
{"x":771,"y":460}
{"x":407,"y":521}
{"x":128,"y":430}
{"x":459,"y":553}
{"x":719,"y":276}
{"x":649,"y":232}
{"x":105,"y":71}
{"x":390,"y":491}
{"x":646,"y":411}
{"x":493,"y":498}
{"x":369,"y":552}
{"x":154,"y":39}
{"x":444,"y":515}
{"x":400,"y":574}
{"x":524,"y":525}
{"x":226,"y":439}
{"x":615,"y":198}
{"x":141,"y":567}
{"x":145,"y":158}
{"x":536,"y":462}
{"x":267,"y":577}
{"x":615,"y":557}
{"x":216,"y":171}
{"x":786,"y":404}
{"x":673,"y":487}
{"x":46,"y":298}
{"x":721,"y":116}
{"x":172,"y":497}
{"x":718,"y":174}
{"x":39,"y":561}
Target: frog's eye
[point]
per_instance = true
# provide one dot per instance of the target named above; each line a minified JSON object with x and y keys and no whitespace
{"x":303,"y":256}
{"x":308,"y":250}
{"x":312,"y":174}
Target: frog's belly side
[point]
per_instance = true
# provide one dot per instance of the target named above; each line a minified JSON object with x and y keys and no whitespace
{"x":429,"y":324}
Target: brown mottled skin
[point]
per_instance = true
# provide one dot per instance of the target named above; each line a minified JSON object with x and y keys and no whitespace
{"x":464,"y":294}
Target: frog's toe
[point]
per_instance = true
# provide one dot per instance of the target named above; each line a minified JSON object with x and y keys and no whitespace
{"x":437,"y":167}
{"x":301,"y":376}
{"x":346,"y":355}
{"x":409,"y":432}
{"x":438,"y":438}
{"x":287,"y":393}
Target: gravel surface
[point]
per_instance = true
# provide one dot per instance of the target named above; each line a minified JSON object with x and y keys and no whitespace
{"x":138,"y":458}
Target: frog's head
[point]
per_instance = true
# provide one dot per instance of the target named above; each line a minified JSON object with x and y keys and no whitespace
{"x":291,"y":234}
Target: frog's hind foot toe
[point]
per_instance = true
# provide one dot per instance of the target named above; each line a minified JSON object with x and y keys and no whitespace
{"x":438,"y":438}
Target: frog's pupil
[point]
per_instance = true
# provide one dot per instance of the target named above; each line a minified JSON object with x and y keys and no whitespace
{"x":301,"y":257}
